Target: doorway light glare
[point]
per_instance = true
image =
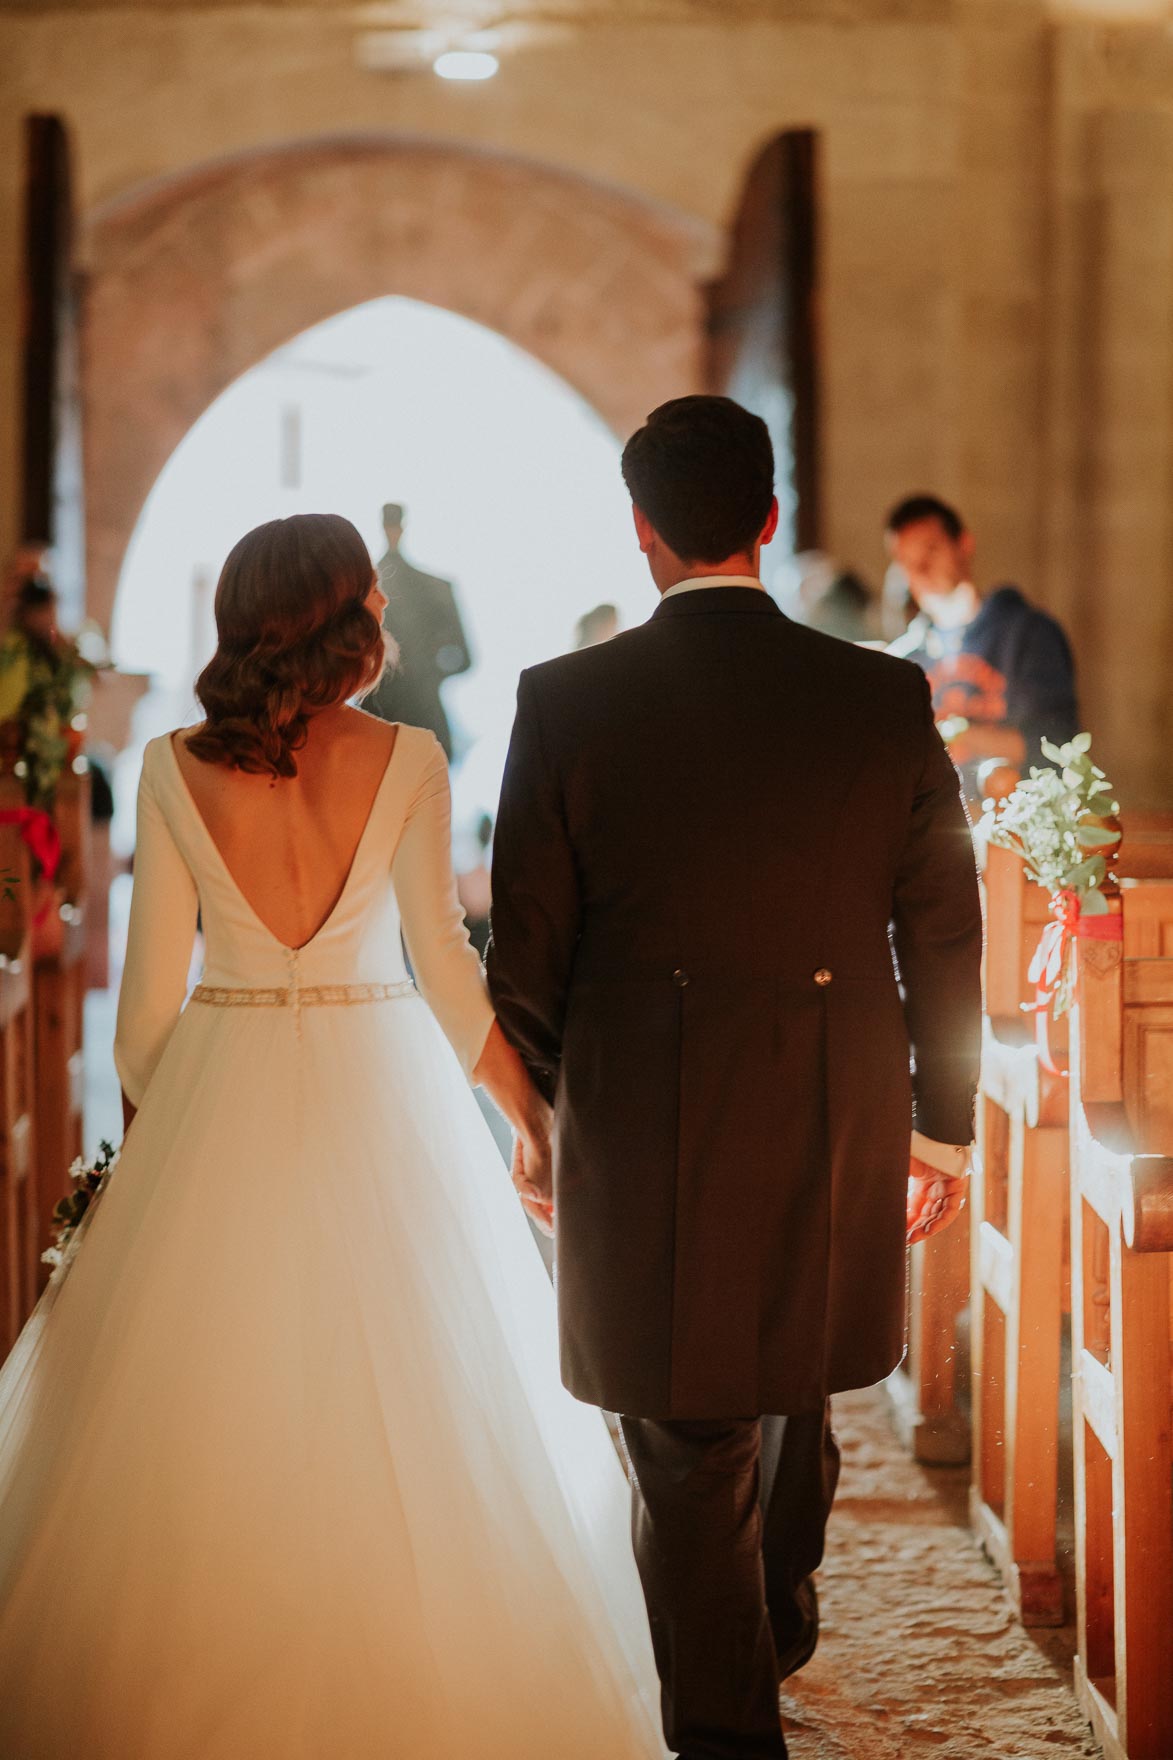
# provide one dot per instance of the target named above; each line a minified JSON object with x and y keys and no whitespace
{"x":466,"y":64}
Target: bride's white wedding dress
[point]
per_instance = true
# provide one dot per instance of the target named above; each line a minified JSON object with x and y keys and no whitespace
{"x":286,"y":1469}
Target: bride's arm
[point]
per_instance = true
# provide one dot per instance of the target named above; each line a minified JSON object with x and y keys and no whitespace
{"x":446,"y":966}
{"x":163,"y":913}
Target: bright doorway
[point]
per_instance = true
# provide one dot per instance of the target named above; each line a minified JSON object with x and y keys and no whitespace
{"x":510,"y":479}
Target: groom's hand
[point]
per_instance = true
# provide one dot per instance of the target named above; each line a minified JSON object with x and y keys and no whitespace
{"x":935,"y":1199}
{"x":533,"y":1177}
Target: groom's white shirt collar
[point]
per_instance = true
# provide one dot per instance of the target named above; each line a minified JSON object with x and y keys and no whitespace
{"x":702,"y":581}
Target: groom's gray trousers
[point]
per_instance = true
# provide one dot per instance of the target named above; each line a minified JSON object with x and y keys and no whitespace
{"x":728,"y":1518}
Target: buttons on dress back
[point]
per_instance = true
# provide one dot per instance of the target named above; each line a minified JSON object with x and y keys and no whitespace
{"x":679,"y":978}
{"x":822,"y":977}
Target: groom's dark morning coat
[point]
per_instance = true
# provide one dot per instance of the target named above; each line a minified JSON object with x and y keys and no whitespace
{"x":714,"y":832}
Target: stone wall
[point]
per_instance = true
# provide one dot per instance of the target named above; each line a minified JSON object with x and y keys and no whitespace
{"x":1108,"y":488}
{"x":193,"y":283}
{"x":997,"y":321}
{"x":672,"y":116}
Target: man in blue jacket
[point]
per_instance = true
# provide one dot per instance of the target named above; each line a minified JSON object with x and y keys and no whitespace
{"x":995,"y":662}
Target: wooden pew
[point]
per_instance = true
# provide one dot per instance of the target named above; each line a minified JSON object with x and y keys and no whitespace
{"x":1024,"y":1165}
{"x":1122,"y":1304}
{"x":19,"y":1218}
{"x":1018,"y":1195}
{"x":59,"y":985}
{"x":927,"y":1393}
{"x":1020,"y":1271}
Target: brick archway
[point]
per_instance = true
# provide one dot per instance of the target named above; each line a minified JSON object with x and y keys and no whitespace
{"x":193,"y":282}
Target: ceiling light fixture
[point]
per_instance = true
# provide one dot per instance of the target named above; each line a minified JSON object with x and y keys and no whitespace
{"x":466,"y":64}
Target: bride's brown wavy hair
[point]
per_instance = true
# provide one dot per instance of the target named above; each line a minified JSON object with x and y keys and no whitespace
{"x":295,"y":635}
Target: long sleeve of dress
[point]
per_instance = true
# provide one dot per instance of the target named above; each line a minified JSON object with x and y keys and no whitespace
{"x":163,"y":914}
{"x":445,"y":964}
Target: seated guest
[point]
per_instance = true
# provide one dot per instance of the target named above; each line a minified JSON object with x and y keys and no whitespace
{"x":994,"y":661}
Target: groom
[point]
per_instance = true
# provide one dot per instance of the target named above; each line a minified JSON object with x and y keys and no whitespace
{"x":717,"y":834}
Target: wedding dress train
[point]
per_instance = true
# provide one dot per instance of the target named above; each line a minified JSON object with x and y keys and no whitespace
{"x":286,"y":1468}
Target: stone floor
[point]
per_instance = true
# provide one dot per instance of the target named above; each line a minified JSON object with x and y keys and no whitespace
{"x":921,"y":1654}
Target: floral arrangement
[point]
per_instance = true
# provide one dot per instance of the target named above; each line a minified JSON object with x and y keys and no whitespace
{"x":1062,"y":822}
{"x":43,"y":689}
{"x":89,"y":1181}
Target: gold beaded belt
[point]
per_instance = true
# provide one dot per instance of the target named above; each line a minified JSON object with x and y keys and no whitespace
{"x":298,"y":996}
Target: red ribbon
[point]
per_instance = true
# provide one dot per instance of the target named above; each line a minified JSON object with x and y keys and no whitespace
{"x":39,"y":834}
{"x":1050,"y":960}
{"x":1106,"y":928}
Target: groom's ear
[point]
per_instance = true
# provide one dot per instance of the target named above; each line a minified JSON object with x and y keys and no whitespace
{"x":771,"y":525}
{"x":645,"y":531}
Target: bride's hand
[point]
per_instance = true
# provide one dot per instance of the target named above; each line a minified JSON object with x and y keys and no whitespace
{"x":500,"y":1069}
{"x":533,"y":1177}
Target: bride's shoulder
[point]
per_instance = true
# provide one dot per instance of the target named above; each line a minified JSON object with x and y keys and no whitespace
{"x":165,"y":744}
{"x":160,"y":750}
{"x":410,"y":746}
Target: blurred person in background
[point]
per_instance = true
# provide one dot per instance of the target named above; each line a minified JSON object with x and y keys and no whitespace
{"x":423,"y":620}
{"x":598,"y":625}
{"x":832,"y":598}
{"x":1000,"y":669}
{"x":897,"y":605}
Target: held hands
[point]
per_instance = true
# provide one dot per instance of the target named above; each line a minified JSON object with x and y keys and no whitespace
{"x":501,"y":1071}
{"x":533,"y":1175}
{"x":935,"y":1199}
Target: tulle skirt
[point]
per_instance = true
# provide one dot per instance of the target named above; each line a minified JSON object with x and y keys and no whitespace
{"x":286,"y":1468}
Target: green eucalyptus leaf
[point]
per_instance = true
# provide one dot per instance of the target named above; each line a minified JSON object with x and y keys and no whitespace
{"x":1090,"y":836}
{"x":1094,"y":905}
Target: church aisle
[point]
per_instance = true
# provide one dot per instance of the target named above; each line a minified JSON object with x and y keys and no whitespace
{"x":921,"y":1653}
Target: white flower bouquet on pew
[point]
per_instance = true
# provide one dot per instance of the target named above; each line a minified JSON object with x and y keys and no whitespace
{"x":90,"y":1179}
{"x":1063,"y":822}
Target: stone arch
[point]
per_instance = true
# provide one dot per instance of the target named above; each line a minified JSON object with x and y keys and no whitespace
{"x":191,"y":282}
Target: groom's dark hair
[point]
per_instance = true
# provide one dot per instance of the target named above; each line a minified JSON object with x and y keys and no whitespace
{"x":702,"y":470}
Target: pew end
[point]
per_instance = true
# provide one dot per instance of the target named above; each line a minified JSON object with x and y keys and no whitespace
{"x":1122,"y":1322}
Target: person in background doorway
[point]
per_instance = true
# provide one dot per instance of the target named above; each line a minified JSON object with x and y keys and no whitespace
{"x":1000,"y":670}
{"x":832,"y":598}
{"x":599,"y":625}
{"x":423,"y":620}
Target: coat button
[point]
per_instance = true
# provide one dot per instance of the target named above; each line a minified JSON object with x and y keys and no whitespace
{"x":822,"y":977}
{"x":679,"y":978}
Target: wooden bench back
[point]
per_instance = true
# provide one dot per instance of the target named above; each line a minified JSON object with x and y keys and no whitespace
{"x":1122,"y":1314}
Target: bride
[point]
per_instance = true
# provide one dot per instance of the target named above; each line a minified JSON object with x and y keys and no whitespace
{"x":286,"y":1468}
